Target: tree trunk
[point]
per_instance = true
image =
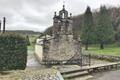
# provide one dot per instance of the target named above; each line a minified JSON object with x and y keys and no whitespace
{"x":86,"y":46}
{"x":101,"y":46}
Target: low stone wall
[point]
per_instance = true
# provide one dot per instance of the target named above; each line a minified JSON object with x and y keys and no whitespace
{"x":39,"y":52}
{"x":104,"y":57}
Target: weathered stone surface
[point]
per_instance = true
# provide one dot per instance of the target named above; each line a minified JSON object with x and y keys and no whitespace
{"x":45,"y":74}
{"x":63,"y":46}
{"x":63,"y":50}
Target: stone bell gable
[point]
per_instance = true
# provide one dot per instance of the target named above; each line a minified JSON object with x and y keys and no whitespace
{"x":62,"y":23}
{"x":63,"y":46}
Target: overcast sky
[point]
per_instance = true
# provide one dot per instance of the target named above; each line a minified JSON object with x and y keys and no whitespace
{"x":37,"y":14}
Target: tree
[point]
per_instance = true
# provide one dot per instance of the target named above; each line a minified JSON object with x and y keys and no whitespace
{"x":87,"y":35}
{"x":104,"y":29}
{"x":48,"y":31}
{"x":27,"y":40}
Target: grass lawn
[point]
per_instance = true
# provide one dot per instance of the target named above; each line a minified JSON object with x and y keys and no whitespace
{"x":109,"y":50}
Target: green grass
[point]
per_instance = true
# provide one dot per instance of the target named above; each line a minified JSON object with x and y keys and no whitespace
{"x":32,"y":39}
{"x":109,"y":50}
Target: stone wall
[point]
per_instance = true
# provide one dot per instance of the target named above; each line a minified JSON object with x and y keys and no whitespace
{"x":104,"y":57}
{"x":64,"y":49}
{"x":39,"y":52}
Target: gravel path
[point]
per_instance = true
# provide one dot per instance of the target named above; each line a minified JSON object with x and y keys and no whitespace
{"x":32,"y":61}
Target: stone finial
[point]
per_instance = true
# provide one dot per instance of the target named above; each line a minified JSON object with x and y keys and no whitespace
{"x":70,"y":14}
{"x":55,"y":14}
{"x":0,"y":26}
{"x":63,"y":6}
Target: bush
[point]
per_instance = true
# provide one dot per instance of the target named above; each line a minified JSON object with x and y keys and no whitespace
{"x":13,"y":52}
{"x":28,"y":41}
{"x":118,"y":44}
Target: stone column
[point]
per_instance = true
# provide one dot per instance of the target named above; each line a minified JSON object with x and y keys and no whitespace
{"x":0,"y":26}
{"x":4,"y":22}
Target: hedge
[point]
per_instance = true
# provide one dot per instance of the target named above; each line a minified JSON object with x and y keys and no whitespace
{"x":13,"y":52}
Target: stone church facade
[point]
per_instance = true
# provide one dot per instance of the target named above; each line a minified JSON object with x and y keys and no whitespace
{"x":63,"y":46}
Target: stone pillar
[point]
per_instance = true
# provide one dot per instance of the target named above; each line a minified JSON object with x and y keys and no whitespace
{"x":0,"y":26}
{"x":4,"y":24}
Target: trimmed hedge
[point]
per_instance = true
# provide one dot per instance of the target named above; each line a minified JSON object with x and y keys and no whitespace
{"x":13,"y":52}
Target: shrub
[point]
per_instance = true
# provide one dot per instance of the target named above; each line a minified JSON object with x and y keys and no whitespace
{"x":118,"y":44}
{"x":28,"y":41}
{"x":13,"y":52}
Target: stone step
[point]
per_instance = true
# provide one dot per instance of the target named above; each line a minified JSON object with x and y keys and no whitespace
{"x":75,"y":75}
{"x":86,"y":77}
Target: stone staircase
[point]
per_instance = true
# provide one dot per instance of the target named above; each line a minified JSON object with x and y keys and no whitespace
{"x":76,"y":75}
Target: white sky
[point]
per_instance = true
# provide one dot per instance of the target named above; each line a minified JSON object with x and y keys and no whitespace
{"x":37,"y":15}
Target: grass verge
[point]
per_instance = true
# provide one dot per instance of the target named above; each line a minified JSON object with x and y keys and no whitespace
{"x":108,"y":50}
